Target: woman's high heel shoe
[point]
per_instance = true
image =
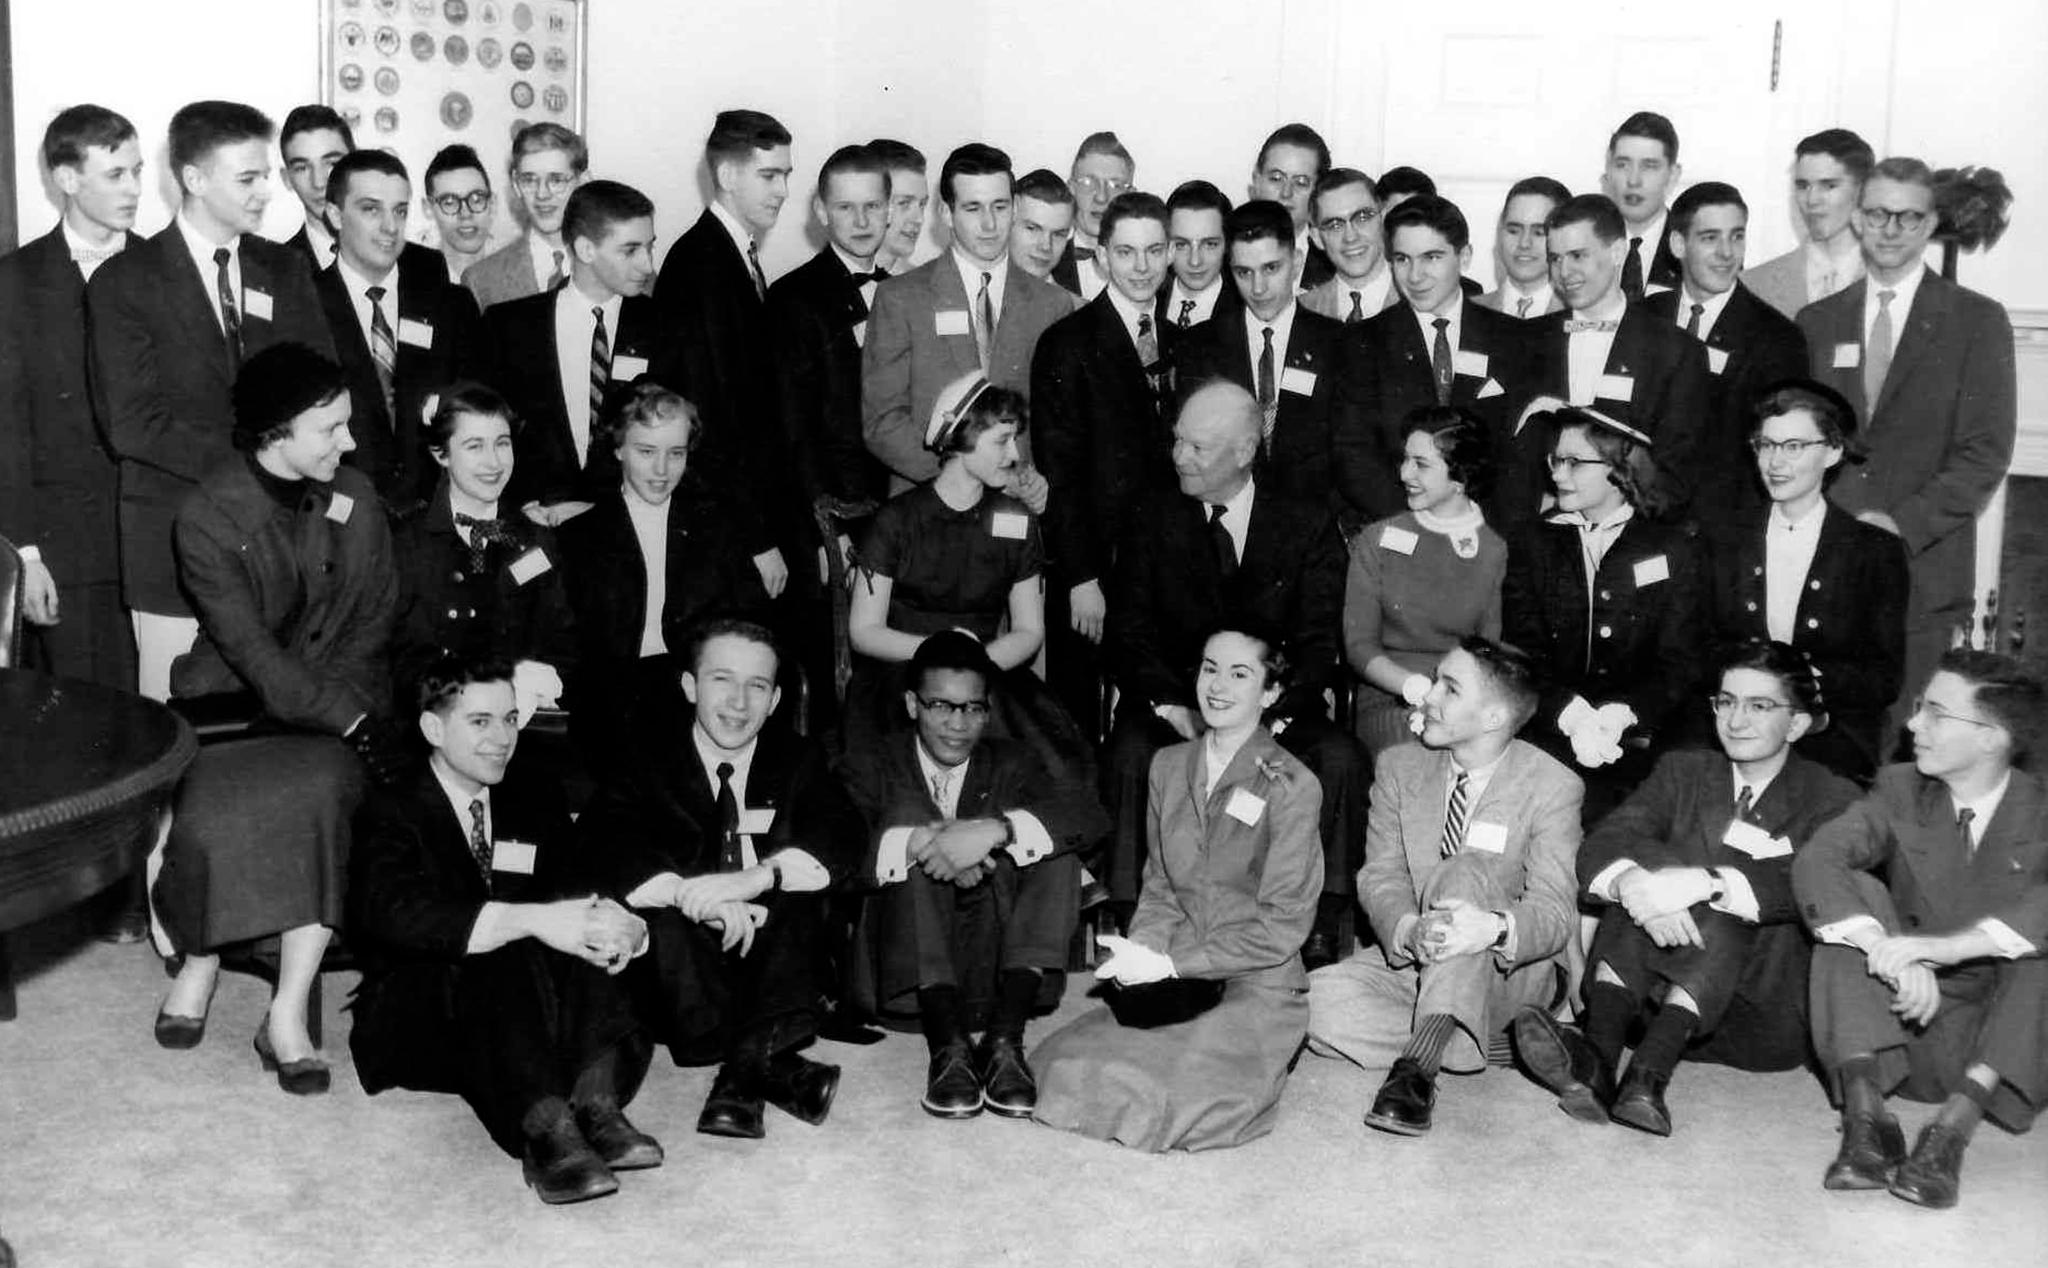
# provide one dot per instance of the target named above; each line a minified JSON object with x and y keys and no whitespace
{"x":307,"y":1076}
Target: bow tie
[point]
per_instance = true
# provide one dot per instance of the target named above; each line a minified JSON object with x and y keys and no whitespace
{"x":862,"y":279}
{"x":1592,"y":327}
{"x":491,"y":530}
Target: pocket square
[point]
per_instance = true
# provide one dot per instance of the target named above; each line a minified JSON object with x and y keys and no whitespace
{"x":1490,"y":388}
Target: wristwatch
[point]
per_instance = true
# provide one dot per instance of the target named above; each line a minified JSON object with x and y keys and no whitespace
{"x":1720,"y":886}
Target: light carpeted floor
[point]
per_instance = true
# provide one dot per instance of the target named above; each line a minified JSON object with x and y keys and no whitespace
{"x":114,"y":1152}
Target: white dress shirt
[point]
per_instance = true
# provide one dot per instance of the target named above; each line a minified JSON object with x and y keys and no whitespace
{"x":1029,"y":843}
{"x":358,"y":288}
{"x":545,"y":257}
{"x":1205,"y":302}
{"x":1586,"y":350}
{"x":325,"y":249}
{"x":95,"y":255}
{"x":1825,"y":275}
{"x":1737,"y":898}
{"x":574,"y":325}
{"x":867,"y":288}
{"x":1092,"y":272}
{"x":1511,"y":295}
{"x":1283,"y":329}
{"x":1647,"y":251}
{"x":802,"y":873}
{"x":741,"y":238}
{"x":1788,"y":555}
{"x":1427,"y":323}
{"x":1903,"y":292}
{"x":209,"y":273}
{"x":650,"y":529}
{"x":1711,"y":309}
{"x":1476,"y":781}
{"x":1372,"y":293}
{"x":1130,"y":313}
{"x":1237,"y":515}
{"x":971,"y":270}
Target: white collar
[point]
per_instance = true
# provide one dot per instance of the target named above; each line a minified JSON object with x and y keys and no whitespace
{"x":79,"y":246}
{"x":1127,"y":310}
{"x":1984,"y":807}
{"x":640,"y":508}
{"x":1578,"y":520}
{"x":971,"y":269}
{"x":1612,"y":308}
{"x":1240,"y":504}
{"x":1756,"y":786}
{"x":930,"y":765}
{"x":852,"y":265}
{"x":741,"y":237}
{"x":355,"y":283}
{"x":1455,"y":314}
{"x":1902,"y":291}
{"x":201,"y":247}
{"x":458,"y":798}
{"x":1470,"y":521}
{"x":1283,"y":326}
{"x":711,"y":755}
{"x":1511,"y":290}
{"x":1652,"y":235}
{"x":1710,"y":307}
{"x":1785,"y":523}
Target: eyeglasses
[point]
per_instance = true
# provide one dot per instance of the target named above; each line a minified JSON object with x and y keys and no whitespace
{"x":1361,"y":220}
{"x":1921,"y":708}
{"x":553,"y":182}
{"x":1876,"y":218}
{"x":1304,"y":183}
{"x":1097,"y":185}
{"x":973,"y":710}
{"x":1756,"y":706}
{"x":476,"y":202}
{"x":1570,"y":465}
{"x":1790,"y":448}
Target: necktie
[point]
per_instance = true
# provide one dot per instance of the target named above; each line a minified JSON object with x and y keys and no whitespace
{"x":479,"y":840}
{"x":1692,"y":323}
{"x":1589,"y":327}
{"x":1357,"y":312}
{"x":1522,"y":306}
{"x":1440,"y":359}
{"x":1454,"y":814}
{"x":557,"y":277}
{"x":1632,"y":272}
{"x":1743,"y":801}
{"x":1083,"y":253}
{"x":942,"y":783}
{"x":1963,"y":819}
{"x":482,"y":535}
{"x":728,"y":821}
{"x":600,"y":379}
{"x":384,"y":351}
{"x":984,"y":323}
{"x":1219,"y":540}
{"x":230,"y":313}
{"x":1877,"y":358}
{"x":754,"y":267}
{"x":1186,"y":306}
{"x":1148,"y":342}
{"x":1269,"y":395}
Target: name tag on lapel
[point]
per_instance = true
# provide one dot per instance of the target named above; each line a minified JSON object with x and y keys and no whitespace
{"x":951,"y":321}
{"x":1009,"y":524}
{"x":417,"y":333}
{"x":1298,"y":381}
{"x":530,"y":565}
{"x":860,"y":334}
{"x":626,"y":369}
{"x":756,"y":822}
{"x":1247,"y":808}
{"x":513,"y":856}
{"x":1652,"y":570}
{"x":1848,"y":356}
{"x":256,"y":304}
{"x":1490,"y":837}
{"x":1717,"y":360}
{"x":1469,"y":363}
{"x":1399,"y":540}
{"x":1754,"y":841}
{"x":340,"y":508}
{"x":1614,"y":387}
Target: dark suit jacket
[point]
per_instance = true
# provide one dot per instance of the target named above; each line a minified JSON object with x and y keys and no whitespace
{"x":161,"y":379}
{"x":57,"y":475}
{"x":1171,"y":594}
{"x":1300,"y":461}
{"x":1851,"y":623}
{"x":1939,"y":438}
{"x":1750,"y":347}
{"x":818,"y":320}
{"x":1104,"y":434}
{"x":1386,"y":374}
{"x":1315,"y":268}
{"x":393,"y":451}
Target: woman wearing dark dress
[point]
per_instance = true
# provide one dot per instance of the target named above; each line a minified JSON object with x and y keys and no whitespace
{"x":287,"y":559}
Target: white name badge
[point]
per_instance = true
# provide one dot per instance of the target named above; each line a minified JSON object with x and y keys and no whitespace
{"x":1614,"y":387}
{"x":341,"y":508}
{"x":1652,"y":570}
{"x":256,"y":304}
{"x":1009,"y":524}
{"x":860,"y":334}
{"x":530,"y":565}
{"x":1298,"y":381}
{"x":1246,"y":808}
{"x":952,"y":321}
{"x":756,"y":822}
{"x":1848,"y":356}
{"x":1399,"y":540}
{"x":417,"y":333}
{"x":513,"y":856}
{"x":1491,"y":388}
{"x":1490,"y":837}
{"x":1471,"y":364}
{"x":1755,"y":842}
{"x":626,"y":369}
{"x":1717,"y":360}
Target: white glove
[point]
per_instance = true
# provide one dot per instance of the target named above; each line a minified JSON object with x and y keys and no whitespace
{"x":1586,"y":727}
{"x":1414,"y":687}
{"x":1616,"y":719}
{"x":1131,"y":963}
{"x":535,"y":685}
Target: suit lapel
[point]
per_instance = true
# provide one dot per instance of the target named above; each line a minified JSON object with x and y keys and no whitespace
{"x":2012,"y":833}
{"x":1423,"y":832}
{"x":1916,"y":335}
{"x":188,"y":290}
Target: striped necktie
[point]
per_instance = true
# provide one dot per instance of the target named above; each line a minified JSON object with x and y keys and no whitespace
{"x":984,"y":323}
{"x":600,"y":378}
{"x":479,"y":840}
{"x":1454,"y":814}
{"x":230,"y":313}
{"x":384,"y":351}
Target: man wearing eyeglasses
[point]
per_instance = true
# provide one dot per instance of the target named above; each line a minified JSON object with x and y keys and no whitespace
{"x":1699,"y":939}
{"x":975,"y":848}
{"x":548,"y":163}
{"x":1103,"y":169}
{"x":1290,"y":163}
{"x":1929,"y":898}
{"x":458,"y":198}
{"x":1344,"y":223}
{"x":1928,"y":366}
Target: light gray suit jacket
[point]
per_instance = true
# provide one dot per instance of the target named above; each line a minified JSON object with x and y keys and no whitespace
{"x":506,"y":273}
{"x":1781,"y":282}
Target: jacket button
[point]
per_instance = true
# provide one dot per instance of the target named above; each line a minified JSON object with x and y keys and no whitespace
{"x":1606,"y":595}
{"x":1813,"y":585}
{"x":1757,"y":571}
{"x":452,"y":614}
{"x":456,"y":576}
{"x":1606,"y":631}
{"x":1812,"y":622}
{"x":1751,"y":605}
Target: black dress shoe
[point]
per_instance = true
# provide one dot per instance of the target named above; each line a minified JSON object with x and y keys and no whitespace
{"x":306,"y":1076}
{"x":1405,"y":1100}
{"x":734,"y":1107}
{"x":1007,"y":1087}
{"x":1872,"y":1148}
{"x":562,"y":1167}
{"x":1561,"y":1059}
{"x":1639,"y":1101}
{"x":174,"y":1031}
{"x":1933,"y":1176}
{"x":951,"y":1087}
{"x":617,"y":1143}
{"x":800,"y":1087}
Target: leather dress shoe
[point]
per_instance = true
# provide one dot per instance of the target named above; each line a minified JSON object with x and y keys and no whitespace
{"x":951,"y":1087}
{"x":1639,"y":1101}
{"x":1563,"y":1061}
{"x":306,"y":1076}
{"x":562,"y":1167}
{"x":1007,"y":1087}
{"x":1872,"y":1148}
{"x":1933,"y":1176}
{"x":734,"y":1107}
{"x":617,"y":1143}
{"x":1405,"y":1100}
{"x":175,"y":1031}
{"x":800,"y":1087}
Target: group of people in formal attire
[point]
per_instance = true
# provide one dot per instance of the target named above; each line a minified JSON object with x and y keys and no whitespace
{"x":621,"y":656}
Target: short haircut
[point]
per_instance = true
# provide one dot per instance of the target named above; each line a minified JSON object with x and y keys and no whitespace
{"x":1705,"y":194}
{"x":1651,"y":126}
{"x":1104,"y":143}
{"x":1197,"y":195}
{"x":455,"y":158}
{"x":466,"y":396}
{"x":1462,"y":438}
{"x":597,"y":205}
{"x":1790,"y":666}
{"x":976,"y":158}
{"x":852,"y":160}
{"x":1597,"y":210}
{"x":77,"y":129}
{"x":1043,"y":184}
{"x":1511,"y":673}
{"x":737,"y":134}
{"x":1541,"y":186}
{"x":1273,"y":656}
{"x":1830,"y":410}
{"x":202,"y":127}
{"x":2005,"y":691}
{"x":379,"y":161}
{"x":991,"y":406}
{"x":1405,"y":182}
{"x":645,"y":403}
{"x":536,"y":137}
{"x":314,"y":118}
{"x":1259,"y":219}
{"x":1631,"y":467}
{"x":1910,"y":171}
{"x":1337,"y":178}
{"x":1428,"y":211}
{"x":277,"y":385}
{"x":1135,"y":205}
{"x":1301,"y":136}
{"x":1843,"y":146}
{"x":898,"y":156}
{"x":954,"y":651}
{"x":703,"y":632}
{"x":442,"y":682}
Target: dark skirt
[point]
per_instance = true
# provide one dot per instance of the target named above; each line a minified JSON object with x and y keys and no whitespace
{"x":259,"y":840}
